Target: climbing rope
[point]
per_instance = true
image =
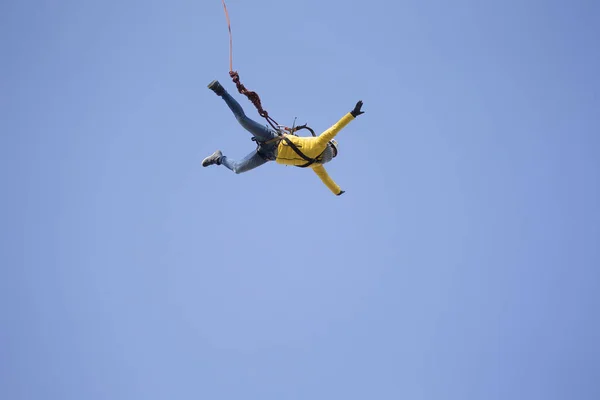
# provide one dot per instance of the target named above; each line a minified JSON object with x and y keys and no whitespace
{"x":252,"y":96}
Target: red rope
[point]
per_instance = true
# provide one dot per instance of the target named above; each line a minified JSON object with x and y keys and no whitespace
{"x":252,"y":96}
{"x":230,"y":37}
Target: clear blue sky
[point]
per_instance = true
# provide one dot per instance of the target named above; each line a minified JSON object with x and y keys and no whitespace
{"x":461,"y":263}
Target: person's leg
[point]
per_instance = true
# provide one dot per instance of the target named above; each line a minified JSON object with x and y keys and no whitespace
{"x":249,"y":162}
{"x":260,"y":132}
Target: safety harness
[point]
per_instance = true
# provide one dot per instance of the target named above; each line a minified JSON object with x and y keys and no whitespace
{"x":282,"y":134}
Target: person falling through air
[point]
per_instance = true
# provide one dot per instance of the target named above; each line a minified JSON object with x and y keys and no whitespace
{"x":283,"y":148}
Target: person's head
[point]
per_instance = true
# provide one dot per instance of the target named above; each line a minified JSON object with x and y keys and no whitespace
{"x":334,"y":145}
{"x":330,"y":152}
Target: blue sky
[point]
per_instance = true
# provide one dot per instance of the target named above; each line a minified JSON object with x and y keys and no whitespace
{"x":461,"y":263}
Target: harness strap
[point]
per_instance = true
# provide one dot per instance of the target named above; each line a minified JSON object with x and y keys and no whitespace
{"x":259,"y":145}
{"x":309,"y":161}
{"x":272,"y":140}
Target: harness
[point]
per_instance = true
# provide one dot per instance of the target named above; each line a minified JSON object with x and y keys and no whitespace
{"x":282,"y":134}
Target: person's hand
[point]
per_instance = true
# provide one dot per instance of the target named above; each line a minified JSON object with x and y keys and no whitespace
{"x":356,"y":112}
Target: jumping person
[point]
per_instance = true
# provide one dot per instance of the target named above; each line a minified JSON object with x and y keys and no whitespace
{"x":283,"y":148}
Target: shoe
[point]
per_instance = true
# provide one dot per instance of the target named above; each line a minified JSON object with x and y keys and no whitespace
{"x":214,"y":158}
{"x":216,"y":87}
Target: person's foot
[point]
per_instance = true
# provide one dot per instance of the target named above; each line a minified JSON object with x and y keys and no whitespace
{"x":214,"y":158}
{"x":216,"y":87}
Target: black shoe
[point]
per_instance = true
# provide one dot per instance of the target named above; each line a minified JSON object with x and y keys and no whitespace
{"x":214,"y":158}
{"x":216,"y":87}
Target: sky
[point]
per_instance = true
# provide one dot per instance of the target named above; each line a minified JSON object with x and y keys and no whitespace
{"x":462,"y":261}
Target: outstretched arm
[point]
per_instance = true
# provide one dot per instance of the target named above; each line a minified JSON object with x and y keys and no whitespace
{"x":330,"y":133}
{"x":322,"y":173}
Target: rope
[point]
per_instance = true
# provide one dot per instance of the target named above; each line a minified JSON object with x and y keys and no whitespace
{"x":252,"y":96}
{"x":230,"y":36}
